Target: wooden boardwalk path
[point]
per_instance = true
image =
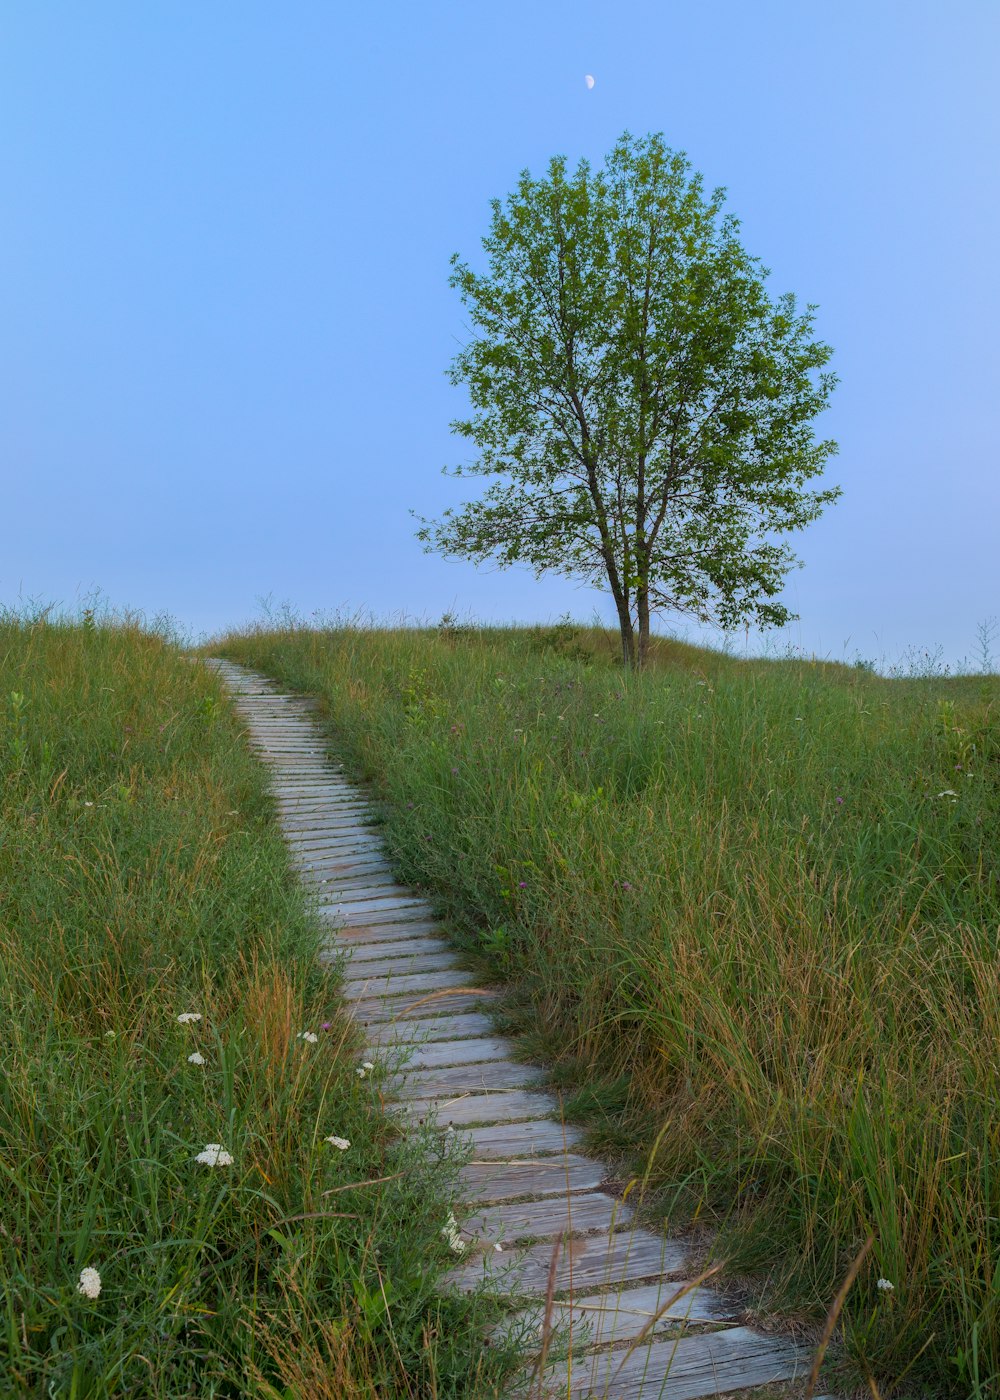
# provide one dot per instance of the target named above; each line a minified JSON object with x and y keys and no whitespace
{"x":527,"y":1183}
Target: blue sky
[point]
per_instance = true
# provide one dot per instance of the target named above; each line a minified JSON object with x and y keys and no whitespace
{"x":225,"y":318}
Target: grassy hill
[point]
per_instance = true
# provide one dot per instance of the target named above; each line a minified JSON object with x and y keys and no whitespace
{"x":750,"y":909}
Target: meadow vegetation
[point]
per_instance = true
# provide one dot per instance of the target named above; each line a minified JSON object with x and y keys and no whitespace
{"x":157,"y":971}
{"x":750,"y":912}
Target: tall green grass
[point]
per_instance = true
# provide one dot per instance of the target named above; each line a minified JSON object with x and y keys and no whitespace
{"x":143,"y":878}
{"x":754,"y":908}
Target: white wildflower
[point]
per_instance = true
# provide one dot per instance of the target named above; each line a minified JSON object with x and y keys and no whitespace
{"x":90,"y":1283}
{"x":187,"y":1018}
{"x":342,"y":1143}
{"x":196,"y":1059}
{"x":948,"y":792}
{"x":214,"y":1155}
{"x":360,"y":1072}
{"x":89,"y":804}
{"x":452,"y":1235}
{"x":498,"y":1248}
{"x":110,"y":1035}
{"x":367,"y":1064}
{"x":885,"y":1285}
{"x":310,"y":1037}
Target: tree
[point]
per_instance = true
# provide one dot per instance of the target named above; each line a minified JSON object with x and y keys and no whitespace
{"x":646,"y":407}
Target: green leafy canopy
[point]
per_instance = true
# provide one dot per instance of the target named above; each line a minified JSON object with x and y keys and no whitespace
{"x":645,"y":407}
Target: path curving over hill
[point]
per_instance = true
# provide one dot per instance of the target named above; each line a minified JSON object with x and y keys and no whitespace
{"x":528,"y":1184}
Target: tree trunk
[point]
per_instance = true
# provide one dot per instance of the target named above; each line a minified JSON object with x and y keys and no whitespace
{"x":628,"y":637}
{"x":642,"y":608}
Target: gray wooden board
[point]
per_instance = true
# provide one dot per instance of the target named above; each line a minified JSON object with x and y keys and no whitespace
{"x":297,"y":796}
{"x":385,"y":933}
{"x":296,"y":799}
{"x":363,"y":893}
{"x":335,"y":850}
{"x":471,"y":1079}
{"x":374,"y":904}
{"x":539,"y":1137}
{"x":709,"y":1364}
{"x":371,"y":883}
{"x":320,"y":823}
{"x":351,"y":867}
{"x":336,"y":847}
{"x":398,"y":1011}
{"x":314,"y":821}
{"x":419,"y":911}
{"x":464,"y":1110}
{"x":332,"y":830}
{"x":420,"y":962}
{"x":297,"y":793}
{"x":590,"y":1262}
{"x":303,"y":810}
{"x":429,"y":1028}
{"x":589,"y":1210}
{"x":442,"y":1053}
{"x":393,"y":948}
{"x":322,"y":872}
{"x":420,"y":983}
{"x":620,"y":1314}
{"x":489,"y":1182}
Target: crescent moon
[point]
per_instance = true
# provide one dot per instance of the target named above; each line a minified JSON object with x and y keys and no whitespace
{"x":589,"y":80}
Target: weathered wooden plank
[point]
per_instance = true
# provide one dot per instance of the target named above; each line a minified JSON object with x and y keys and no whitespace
{"x":393,"y":948}
{"x":351,"y":865}
{"x":591,"y":1262}
{"x":324,"y":826}
{"x":331,"y":887}
{"x":538,"y":1137}
{"x":383,"y":932}
{"x":621,"y":1314}
{"x":331,"y":839}
{"x":318,"y":855}
{"x":466,"y":1110}
{"x":427,"y":1028}
{"x":398,"y":1011}
{"x":420,"y":983}
{"x":364,"y":893}
{"x":301,"y":791}
{"x":467,"y":1079}
{"x":441,"y":1054}
{"x":374,"y":904}
{"x":322,"y":814}
{"x":687,"y":1369}
{"x":489,"y":1182}
{"x":338,"y":813}
{"x":307,"y":821}
{"x":291,"y":789}
{"x":321,"y":825}
{"x":575,"y":1213}
{"x":416,"y":912}
{"x":390,"y":967}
